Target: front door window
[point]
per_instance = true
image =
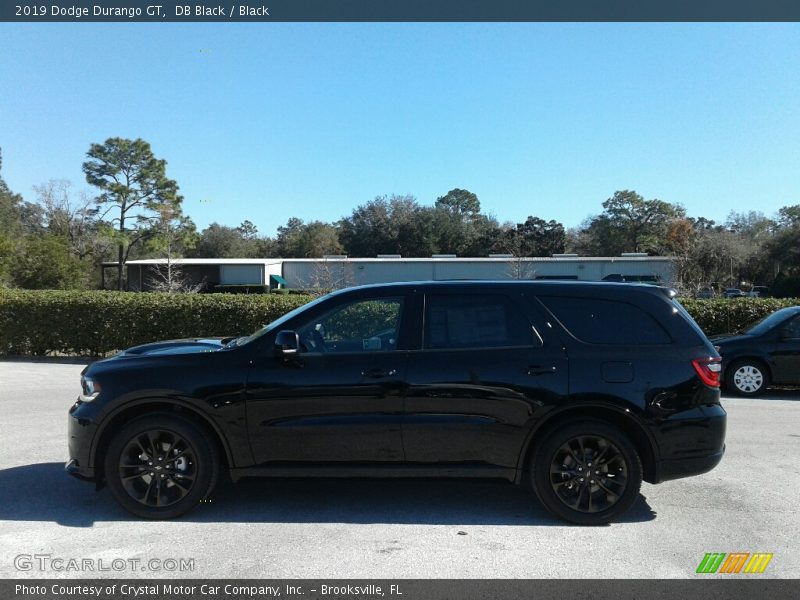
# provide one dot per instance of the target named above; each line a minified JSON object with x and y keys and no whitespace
{"x":360,"y":326}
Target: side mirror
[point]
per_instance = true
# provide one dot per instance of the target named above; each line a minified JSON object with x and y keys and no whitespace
{"x":287,"y":343}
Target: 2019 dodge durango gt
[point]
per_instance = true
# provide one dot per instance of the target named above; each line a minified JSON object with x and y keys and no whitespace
{"x":579,"y":390}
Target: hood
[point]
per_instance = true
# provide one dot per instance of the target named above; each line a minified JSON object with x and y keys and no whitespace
{"x":185,"y":346}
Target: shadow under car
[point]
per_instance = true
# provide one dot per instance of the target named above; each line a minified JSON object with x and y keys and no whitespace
{"x":51,"y":495}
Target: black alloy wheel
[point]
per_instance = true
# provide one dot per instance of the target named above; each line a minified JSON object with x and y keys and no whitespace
{"x":161,"y":466}
{"x":587,"y":473}
{"x":158,"y":468}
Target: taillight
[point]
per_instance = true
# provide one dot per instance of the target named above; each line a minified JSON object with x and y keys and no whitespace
{"x":708,"y":369}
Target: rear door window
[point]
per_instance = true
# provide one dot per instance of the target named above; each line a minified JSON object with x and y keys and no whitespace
{"x":598,"y":321}
{"x":475,"y":321}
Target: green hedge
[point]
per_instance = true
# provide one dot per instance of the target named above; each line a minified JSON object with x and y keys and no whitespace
{"x":314,"y":292}
{"x":98,"y":323}
{"x":265,"y":289}
{"x":241,"y":289}
{"x":728,"y":315}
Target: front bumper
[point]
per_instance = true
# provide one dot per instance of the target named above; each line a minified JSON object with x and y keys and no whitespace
{"x":80,"y":434}
{"x":76,"y":470}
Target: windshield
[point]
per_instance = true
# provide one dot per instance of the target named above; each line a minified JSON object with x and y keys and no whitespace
{"x":763,"y":326}
{"x":279,"y":321}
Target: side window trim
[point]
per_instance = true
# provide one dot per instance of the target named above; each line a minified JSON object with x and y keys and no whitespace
{"x":542,"y":320}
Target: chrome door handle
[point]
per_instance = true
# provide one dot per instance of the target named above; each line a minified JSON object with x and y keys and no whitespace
{"x":541,"y":370}
{"x":378,"y":373}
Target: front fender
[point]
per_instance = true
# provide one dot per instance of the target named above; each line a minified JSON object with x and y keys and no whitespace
{"x":233,"y":442}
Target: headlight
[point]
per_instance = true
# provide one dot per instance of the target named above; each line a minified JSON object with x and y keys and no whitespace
{"x":90,"y":389}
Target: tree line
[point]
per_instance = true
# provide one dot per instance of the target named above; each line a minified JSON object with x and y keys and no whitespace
{"x":58,"y":238}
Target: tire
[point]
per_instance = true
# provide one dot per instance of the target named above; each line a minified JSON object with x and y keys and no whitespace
{"x":161,"y":489}
{"x":747,"y":377}
{"x":559,"y":464}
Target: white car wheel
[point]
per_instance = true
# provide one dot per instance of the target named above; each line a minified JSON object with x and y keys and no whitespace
{"x":748,"y":379}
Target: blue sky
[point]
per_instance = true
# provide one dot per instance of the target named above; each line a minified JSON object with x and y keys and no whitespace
{"x":269,"y":121}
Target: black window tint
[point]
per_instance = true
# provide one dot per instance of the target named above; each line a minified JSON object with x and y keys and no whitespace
{"x":461,"y":321}
{"x":606,"y":322}
{"x":360,"y":326}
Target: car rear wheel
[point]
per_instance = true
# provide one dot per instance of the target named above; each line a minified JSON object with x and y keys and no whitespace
{"x":747,"y":377}
{"x":587,"y":472}
{"x":161,"y":466}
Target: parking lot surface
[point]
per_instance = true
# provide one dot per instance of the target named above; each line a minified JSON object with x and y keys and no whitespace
{"x":389,"y":528}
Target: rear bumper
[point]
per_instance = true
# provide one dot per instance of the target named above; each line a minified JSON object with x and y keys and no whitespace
{"x":686,"y":467}
{"x":691,"y":442}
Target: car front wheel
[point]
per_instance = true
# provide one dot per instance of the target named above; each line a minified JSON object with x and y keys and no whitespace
{"x":747,"y":378}
{"x":587,"y":472}
{"x":161,"y":466}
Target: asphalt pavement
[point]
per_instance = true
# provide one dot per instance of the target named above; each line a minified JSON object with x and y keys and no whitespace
{"x":386,"y":529}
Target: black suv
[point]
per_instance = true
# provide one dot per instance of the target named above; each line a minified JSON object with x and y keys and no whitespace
{"x":581,"y":390}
